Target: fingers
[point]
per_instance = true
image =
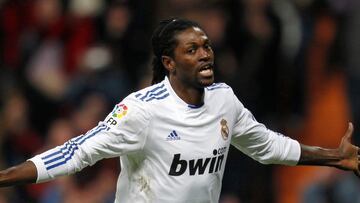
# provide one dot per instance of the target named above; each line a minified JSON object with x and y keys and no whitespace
{"x":357,"y":171}
{"x":349,"y":132}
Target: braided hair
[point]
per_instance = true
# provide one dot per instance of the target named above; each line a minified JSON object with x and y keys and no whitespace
{"x":164,"y":42}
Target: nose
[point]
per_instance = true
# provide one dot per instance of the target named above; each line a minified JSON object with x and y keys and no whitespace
{"x":205,"y":54}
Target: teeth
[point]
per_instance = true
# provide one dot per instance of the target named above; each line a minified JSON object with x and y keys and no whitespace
{"x":206,"y":72}
{"x":206,"y":67}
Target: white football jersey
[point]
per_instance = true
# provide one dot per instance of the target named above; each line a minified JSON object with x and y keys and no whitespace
{"x":170,"y":151}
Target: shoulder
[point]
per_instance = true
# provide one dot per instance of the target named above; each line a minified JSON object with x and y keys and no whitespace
{"x":154,"y":92}
{"x":143,"y":100}
{"x":218,"y":86}
{"x":219,"y":89}
{"x":138,"y":107}
{"x":221,"y":92}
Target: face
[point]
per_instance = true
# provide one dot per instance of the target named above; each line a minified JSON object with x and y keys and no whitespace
{"x":193,"y":60}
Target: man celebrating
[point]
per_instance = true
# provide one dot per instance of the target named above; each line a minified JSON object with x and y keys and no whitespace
{"x":173,"y":137}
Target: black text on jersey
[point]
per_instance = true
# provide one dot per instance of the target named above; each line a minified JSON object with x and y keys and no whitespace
{"x":197,"y":166}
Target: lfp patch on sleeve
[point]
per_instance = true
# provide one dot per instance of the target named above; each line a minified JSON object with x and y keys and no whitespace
{"x":119,"y":111}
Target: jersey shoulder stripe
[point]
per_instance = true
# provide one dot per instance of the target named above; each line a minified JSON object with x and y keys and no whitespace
{"x":157,"y":92}
{"x":66,"y":152}
{"x":215,"y":86}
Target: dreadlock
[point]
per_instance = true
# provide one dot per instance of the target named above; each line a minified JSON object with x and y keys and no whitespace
{"x":164,"y":42}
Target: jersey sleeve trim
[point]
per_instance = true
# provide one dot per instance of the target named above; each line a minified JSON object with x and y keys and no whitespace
{"x":42,"y":174}
{"x":157,"y":92}
{"x":294,"y":152}
{"x":66,"y":152}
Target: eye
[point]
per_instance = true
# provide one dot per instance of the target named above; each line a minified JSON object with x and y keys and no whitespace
{"x":191,"y":50}
{"x":207,"y":46}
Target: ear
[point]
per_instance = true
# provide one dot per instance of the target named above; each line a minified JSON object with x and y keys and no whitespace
{"x":168,"y":63}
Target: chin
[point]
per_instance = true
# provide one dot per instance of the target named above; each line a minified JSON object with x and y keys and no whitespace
{"x":206,"y":82}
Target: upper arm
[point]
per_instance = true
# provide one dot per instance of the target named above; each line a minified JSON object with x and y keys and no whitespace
{"x":123,"y":131}
{"x":260,"y":143}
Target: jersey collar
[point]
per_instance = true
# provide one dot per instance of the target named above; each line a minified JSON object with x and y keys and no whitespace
{"x":178,"y":99}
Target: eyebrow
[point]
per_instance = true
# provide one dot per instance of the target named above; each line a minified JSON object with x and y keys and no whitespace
{"x":207,"y":40}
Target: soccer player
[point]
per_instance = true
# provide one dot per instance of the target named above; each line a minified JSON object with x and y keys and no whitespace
{"x":173,"y":137}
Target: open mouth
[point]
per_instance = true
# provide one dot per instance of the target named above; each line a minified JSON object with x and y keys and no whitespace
{"x":206,"y":70}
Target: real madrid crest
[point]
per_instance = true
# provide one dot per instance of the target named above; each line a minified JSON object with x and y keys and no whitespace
{"x":224,"y":129}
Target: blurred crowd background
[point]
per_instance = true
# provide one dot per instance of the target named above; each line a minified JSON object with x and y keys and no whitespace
{"x":294,"y":63}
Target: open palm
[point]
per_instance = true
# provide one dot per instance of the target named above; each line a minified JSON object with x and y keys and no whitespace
{"x":349,"y":152}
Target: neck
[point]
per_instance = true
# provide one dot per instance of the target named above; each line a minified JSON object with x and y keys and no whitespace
{"x":190,"y":95}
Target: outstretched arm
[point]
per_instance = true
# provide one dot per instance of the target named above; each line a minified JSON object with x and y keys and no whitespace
{"x":345,"y":157}
{"x":22,"y":173}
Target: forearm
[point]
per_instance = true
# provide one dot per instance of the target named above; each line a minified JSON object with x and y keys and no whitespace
{"x":318,"y":156}
{"x":345,"y":157}
{"x":23,"y":173}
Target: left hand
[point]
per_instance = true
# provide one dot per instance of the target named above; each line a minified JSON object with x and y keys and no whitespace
{"x":349,"y":153}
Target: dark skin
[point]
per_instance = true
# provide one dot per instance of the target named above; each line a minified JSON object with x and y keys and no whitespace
{"x":20,"y":174}
{"x":190,"y":70}
{"x":192,"y":53}
{"x":345,"y":157}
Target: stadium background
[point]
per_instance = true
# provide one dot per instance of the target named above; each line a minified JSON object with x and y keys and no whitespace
{"x":294,"y":63}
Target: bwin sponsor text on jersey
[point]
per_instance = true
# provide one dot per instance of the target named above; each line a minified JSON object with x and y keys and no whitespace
{"x":198,"y":166}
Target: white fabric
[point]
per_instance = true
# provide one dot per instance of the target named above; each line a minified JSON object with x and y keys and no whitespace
{"x":170,"y":151}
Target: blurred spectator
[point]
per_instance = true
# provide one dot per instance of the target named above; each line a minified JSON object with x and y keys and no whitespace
{"x":92,"y":109}
{"x":19,"y":141}
{"x":265,"y":37}
{"x":45,"y":70}
{"x":333,"y":187}
{"x":59,"y":132}
{"x":14,"y":18}
{"x":125,"y":28}
{"x":98,"y":74}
